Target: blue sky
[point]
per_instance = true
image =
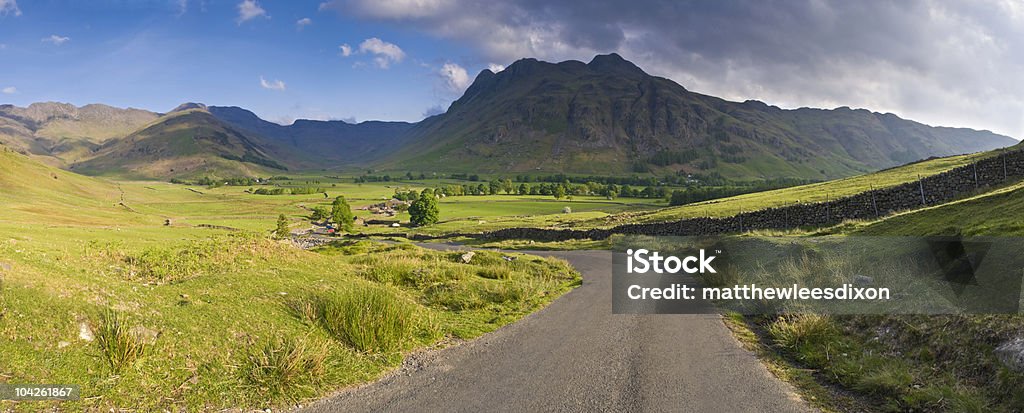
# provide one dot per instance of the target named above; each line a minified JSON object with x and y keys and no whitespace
{"x":155,"y":55}
{"x":941,"y":62}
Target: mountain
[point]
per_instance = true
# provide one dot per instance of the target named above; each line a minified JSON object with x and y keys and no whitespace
{"x":187,"y":142}
{"x":609,"y":116}
{"x":324,"y":143}
{"x":61,"y":133}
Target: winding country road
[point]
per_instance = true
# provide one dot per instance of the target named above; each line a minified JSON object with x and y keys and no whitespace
{"x":575,"y":355}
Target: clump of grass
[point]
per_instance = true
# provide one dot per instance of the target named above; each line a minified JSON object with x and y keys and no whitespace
{"x":369,"y":319}
{"x":281,"y":363}
{"x":495,"y":273}
{"x":802,"y":329}
{"x":118,"y":344}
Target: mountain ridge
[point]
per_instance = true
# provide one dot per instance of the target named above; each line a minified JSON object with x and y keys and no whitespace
{"x":611,"y":116}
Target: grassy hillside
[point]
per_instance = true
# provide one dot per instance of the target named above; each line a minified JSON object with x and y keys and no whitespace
{"x":188,"y":143}
{"x":149,"y":317}
{"x":33,"y":192}
{"x":817,"y":192}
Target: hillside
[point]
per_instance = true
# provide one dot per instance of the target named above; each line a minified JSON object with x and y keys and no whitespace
{"x":184,"y":143}
{"x":323,"y":143}
{"x":609,"y":116}
{"x":969,"y":217}
{"x":31,"y":191}
{"x":61,"y":133}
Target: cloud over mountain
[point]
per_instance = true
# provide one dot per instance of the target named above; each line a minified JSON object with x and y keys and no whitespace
{"x":940,"y":61}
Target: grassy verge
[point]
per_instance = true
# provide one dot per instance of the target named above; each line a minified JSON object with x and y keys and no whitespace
{"x":899,"y":363}
{"x":905,"y":363}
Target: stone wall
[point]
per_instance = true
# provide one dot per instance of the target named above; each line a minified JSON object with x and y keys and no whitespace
{"x":931,"y":190}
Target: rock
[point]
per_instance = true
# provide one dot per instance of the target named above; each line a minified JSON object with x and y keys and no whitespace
{"x":148,"y":336}
{"x":63,"y":344}
{"x":863,"y":280}
{"x":508,"y":258}
{"x":1011,"y":353}
{"x":567,"y":210}
{"x":85,"y":332}
{"x":467,"y":257}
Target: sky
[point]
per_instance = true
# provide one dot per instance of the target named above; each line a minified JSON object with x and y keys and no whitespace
{"x":949,"y":63}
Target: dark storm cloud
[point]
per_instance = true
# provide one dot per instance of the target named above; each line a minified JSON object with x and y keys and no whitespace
{"x":949,"y":63}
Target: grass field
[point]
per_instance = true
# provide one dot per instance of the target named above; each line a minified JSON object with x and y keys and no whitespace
{"x":95,"y":290}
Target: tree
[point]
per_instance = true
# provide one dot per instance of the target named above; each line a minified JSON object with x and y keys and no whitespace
{"x":281,"y":232}
{"x":679,"y":197}
{"x":507,"y":186}
{"x":523,"y":189}
{"x":320,"y":213}
{"x":341,"y":214}
{"x":493,"y":187}
{"x":424,"y":211}
{"x":559,"y":192}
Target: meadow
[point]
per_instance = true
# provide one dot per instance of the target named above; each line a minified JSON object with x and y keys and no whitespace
{"x":209,"y":313}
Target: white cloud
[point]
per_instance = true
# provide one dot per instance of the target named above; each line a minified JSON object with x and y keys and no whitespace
{"x":272,"y":85}
{"x":455,"y":77}
{"x":248,"y":10}
{"x":182,"y":7}
{"x":303,"y":22}
{"x":395,"y":9}
{"x":346,"y":50}
{"x":56,"y":40}
{"x":10,"y":90}
{"x":9,"y":7}
{"x":385,"y":53}
{"x":495,"y":68}
{"x":433,"y":110}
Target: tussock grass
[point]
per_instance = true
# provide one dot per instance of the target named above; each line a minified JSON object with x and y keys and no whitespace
{"x":371,"y":319}
{"x":118,"y":344}
{"x":800,"y":331}
{"x":282,"y":363}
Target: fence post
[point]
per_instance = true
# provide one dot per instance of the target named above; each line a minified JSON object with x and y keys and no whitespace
{"x":975,"y":165}
{"x":920,"y":184}
{"x":873,"y":203}
{"x":828,"y":209}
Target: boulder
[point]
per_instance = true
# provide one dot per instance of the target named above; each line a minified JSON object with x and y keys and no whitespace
{"x":85,"y":332}
{"x":1011,"y":353}
{"x":467,"y":257}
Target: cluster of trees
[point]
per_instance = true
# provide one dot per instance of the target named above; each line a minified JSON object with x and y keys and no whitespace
{"x":210,"y":182}
{"x":340,"y":214}
{"x":301,"y":190}
{"x":557,"y":190}
{"x":387,"y":178}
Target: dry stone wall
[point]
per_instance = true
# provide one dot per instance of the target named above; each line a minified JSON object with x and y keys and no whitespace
{"x":931,"y":190}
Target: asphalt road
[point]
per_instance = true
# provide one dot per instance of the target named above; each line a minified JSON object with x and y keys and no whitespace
{"x":575,"y":355}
